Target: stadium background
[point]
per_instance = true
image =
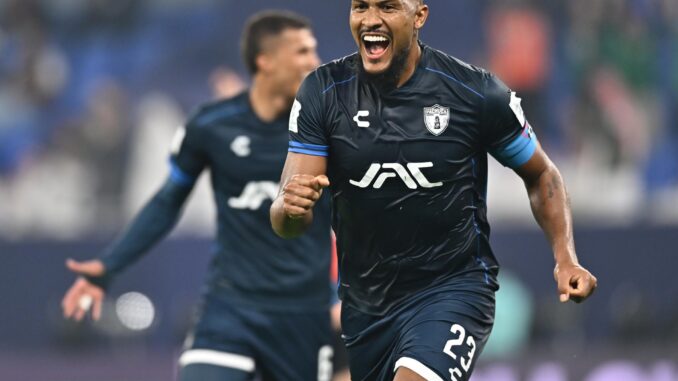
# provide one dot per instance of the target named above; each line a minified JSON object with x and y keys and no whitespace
{"x":92,"y":91}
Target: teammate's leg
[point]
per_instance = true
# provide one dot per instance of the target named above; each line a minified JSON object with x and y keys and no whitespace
{"x":209,"y":372}
{"x":294,"y":346}
{"x":218,"y":348}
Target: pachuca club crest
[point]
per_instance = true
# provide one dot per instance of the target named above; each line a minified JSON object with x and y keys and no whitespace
{"x":436,"y":118}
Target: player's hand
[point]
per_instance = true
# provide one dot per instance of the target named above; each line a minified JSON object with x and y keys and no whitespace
{"x":301,"y":193}
{"x":83,"y":295}
{"x":574,"y":282}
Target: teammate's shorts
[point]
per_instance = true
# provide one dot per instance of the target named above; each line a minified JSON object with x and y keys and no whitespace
{"x":437,"y":333}
{"x":274,"y":345}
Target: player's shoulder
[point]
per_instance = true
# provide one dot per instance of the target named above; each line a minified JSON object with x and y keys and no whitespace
{"x":218,"y":111}
{"x":475,"y":78}
{"x":337,"y":72}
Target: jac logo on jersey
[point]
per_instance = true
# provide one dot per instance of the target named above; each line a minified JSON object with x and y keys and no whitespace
{"x":411,"y":175}
{"x":254,"y":194}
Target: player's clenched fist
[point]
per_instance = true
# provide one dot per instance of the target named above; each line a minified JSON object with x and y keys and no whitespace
{"x":574,"y":282}
{"x":301,"y":193}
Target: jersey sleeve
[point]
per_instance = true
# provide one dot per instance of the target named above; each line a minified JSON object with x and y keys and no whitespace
{"x":307,"y":122}
{"x":187,"y":158}
{"x":507,"y":134}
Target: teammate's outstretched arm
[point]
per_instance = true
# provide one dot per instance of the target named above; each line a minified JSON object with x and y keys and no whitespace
{"x":152,"y":223}
{"x":301,"y":184}
{"x":83,"y":294}
{"x":551,"y":209}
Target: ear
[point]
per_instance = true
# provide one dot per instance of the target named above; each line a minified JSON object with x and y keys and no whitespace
{"x":420,"y":16}
{"x":263,"y":62}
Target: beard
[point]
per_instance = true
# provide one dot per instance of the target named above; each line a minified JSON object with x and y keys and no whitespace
{"x":389,"y":78}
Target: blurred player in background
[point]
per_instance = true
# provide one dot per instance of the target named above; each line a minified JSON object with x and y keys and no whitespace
{"x":265,"y":308}
{"x":400,"y":133}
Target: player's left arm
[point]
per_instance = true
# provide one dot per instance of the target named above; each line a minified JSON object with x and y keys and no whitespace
{"x":551,"y":208}
{"x":513,"y":143}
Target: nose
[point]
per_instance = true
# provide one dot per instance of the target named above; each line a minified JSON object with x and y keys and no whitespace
{"x":372,"y":19}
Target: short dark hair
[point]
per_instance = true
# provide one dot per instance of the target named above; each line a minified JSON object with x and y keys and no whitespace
{"x":266,"y":24}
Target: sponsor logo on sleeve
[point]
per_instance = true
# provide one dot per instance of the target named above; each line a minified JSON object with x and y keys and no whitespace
{"x":514,"y":103}
{"x":294,"y":116}
{"x":177,"y":140}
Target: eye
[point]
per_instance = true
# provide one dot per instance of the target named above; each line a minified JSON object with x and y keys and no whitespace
{"x":359,"y":6}
{"x":388,"y":7}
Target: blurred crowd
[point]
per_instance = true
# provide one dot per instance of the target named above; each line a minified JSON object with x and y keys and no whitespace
{"x":92,"y":91}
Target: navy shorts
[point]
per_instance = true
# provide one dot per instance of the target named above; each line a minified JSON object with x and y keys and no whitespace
{"x":273,"y":345}
{"x":437,"y":333}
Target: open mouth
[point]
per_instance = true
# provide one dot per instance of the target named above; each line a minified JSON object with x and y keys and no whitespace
{"x":375,"y":45}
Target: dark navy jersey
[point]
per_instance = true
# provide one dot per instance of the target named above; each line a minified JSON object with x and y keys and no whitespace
{"x":408,"y":171}
{"x":245,"y":157}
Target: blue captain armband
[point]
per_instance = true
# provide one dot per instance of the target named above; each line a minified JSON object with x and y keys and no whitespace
{"x":518,"y":151}
{"x":308,"y":149}
{"x":179,"y":176}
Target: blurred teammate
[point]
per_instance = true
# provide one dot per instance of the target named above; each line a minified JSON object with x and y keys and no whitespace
{"x":400,"y":133}
{"x":265,"y":309}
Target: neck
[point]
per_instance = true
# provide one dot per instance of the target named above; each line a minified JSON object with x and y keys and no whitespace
{"x":413,"y":59}
{"x":267,"y":103}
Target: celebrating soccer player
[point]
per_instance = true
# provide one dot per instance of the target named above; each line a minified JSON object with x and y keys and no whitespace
{"x":265,"y":309}
{"x":399,"y":134}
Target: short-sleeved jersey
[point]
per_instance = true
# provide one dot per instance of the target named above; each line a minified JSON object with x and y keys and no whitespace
{"x":245,"y":157}
{"x":408,"y":171}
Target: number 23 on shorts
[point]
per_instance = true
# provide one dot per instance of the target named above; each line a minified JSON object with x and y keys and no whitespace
{"x":465,"y":361}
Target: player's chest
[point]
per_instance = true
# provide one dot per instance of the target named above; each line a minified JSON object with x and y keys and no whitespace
{"x":244,"y":152}
{"x":419,"y":126}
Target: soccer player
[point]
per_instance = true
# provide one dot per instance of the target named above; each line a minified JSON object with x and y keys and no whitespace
{"x":266,"y":306}
{"x":400,"y":132}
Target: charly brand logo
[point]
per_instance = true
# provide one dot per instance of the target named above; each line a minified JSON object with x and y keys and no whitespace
{"x":254,"y":194}
{"x":410,"y":174}
{"x":436,"y":118}
{"x":241,"y":146}
{"x":362,"y":114}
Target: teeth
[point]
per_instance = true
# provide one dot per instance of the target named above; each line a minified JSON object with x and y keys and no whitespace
{"x":375,"y":38}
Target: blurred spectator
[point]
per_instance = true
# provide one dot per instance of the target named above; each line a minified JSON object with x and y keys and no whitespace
{"x":519,"y":53}
{"x":101,"y":143}
{"x":33,"y":72}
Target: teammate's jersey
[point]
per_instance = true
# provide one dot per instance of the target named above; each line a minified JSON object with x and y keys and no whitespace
{"x":408,"y":171}
{"x":245,"y":156}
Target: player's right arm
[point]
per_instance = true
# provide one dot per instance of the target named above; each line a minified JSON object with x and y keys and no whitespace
{"x":304,"y":175}
{"x":155,"y":220}
{"x":302,"y":182}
